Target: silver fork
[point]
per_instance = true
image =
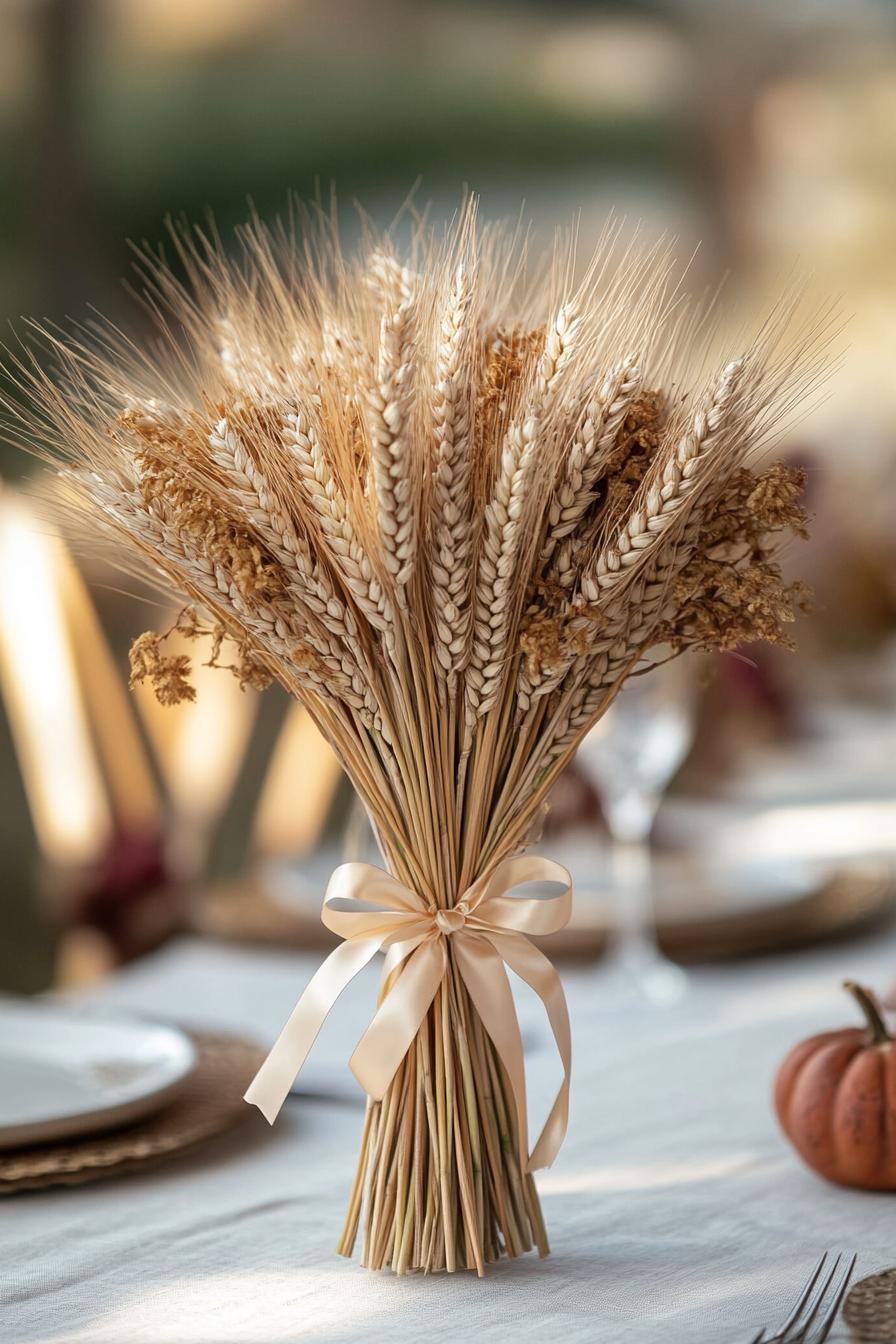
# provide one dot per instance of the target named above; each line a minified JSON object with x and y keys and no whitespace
{"x":812,"y":1319}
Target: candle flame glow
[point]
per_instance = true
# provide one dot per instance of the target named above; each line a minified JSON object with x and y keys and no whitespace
{"x":38,"y":676}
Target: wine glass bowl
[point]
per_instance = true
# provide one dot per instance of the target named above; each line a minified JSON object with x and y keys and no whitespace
{"x":630,"y":756}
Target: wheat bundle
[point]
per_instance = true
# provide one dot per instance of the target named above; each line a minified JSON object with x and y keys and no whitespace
{"x":449,"y":501}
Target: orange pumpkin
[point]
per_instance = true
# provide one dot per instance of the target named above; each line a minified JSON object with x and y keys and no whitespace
{"x":835,"y":1097}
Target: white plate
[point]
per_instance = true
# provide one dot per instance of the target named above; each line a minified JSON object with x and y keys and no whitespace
{"x":65,"y":1073}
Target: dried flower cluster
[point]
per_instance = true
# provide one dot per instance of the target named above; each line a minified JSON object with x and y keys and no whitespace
{"x":450,"y":507}
{"x":169,"y":674}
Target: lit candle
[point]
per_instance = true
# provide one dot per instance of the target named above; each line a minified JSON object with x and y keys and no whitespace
{"x":133,"y":790}
{"x":290,"y":819}
{"x":38,"y":675}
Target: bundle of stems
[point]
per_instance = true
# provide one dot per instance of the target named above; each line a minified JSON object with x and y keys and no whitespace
{"x":450,"y":499}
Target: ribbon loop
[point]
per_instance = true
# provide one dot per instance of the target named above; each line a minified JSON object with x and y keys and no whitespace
{"x":532,"y":915}
{"x":488,"y":929}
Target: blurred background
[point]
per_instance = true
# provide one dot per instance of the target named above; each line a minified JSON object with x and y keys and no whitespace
{"x":764,"y":132}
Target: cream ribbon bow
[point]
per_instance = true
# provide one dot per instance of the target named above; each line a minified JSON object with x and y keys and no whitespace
{"x":488,"y":930}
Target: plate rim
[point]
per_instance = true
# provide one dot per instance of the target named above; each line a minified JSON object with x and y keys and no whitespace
{"x":105,"y":1115}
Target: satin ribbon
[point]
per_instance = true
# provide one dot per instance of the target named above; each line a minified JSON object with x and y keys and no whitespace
{"x":488,"y":930}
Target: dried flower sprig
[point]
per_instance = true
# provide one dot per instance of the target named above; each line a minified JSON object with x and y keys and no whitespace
{"x":451,"y":510}
{"x":169,"y":673}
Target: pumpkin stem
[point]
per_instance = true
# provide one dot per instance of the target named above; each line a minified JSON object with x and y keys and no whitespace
{"x":877,"y":1028}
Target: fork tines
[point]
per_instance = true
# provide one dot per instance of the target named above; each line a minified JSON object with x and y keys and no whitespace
{"x":813,"y":1316}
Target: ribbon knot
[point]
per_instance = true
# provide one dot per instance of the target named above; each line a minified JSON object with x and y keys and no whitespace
{"x":488,"y":930}
{"x":449,"y":921}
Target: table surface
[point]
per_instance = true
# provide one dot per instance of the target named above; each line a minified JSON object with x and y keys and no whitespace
{"x":676,"y":1211}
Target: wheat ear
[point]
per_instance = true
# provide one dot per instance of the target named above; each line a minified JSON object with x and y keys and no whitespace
{"x":309,"y":588}
{"x":329,"y":505}
{"x":559,"y":345}
{"x":496,"y":578}
{"x":452,"y":529}
{"x":671,"y":490}
{"x":388,"y":406}
{"x":594,"y":440}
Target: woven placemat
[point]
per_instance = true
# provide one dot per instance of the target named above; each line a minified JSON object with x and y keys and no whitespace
{"x":870,"y":1309}
{"x":210,"y":1102}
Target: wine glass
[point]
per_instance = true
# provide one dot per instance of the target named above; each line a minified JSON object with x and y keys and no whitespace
{"x":630,"y":755}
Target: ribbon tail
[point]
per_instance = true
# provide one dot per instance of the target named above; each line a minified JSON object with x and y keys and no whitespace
{"x":403,"y":1007}
{"x":271,"y":1084}
{"x":531,"y":965}
{"x":481,"y":966}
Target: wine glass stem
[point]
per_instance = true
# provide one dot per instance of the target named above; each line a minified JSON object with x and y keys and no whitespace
{"x":636,"y":942}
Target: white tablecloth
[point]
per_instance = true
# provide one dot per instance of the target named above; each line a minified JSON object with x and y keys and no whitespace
{"x":676,"y":1211}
